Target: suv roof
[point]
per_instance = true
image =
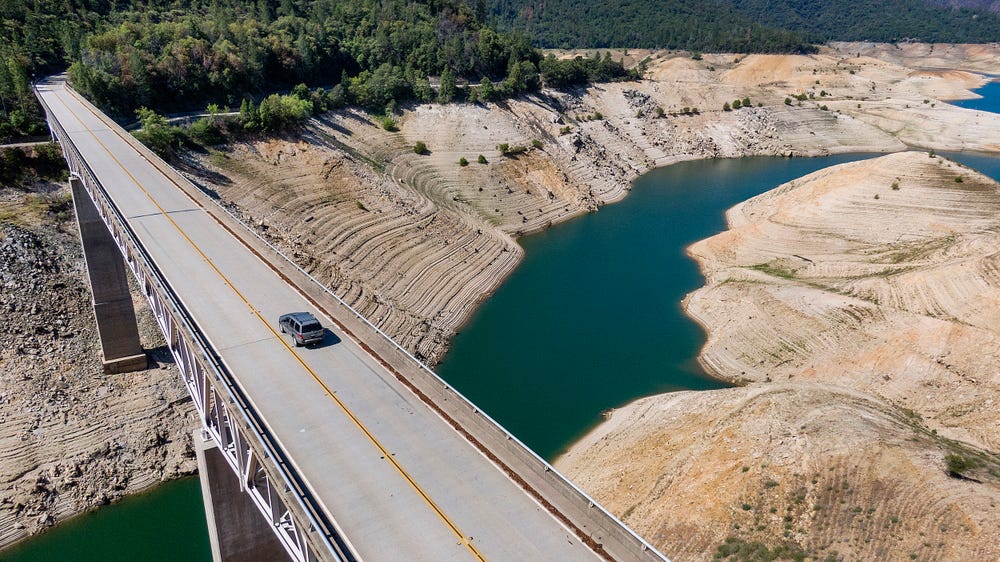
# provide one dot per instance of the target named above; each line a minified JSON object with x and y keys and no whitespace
{"x":301,"y":317}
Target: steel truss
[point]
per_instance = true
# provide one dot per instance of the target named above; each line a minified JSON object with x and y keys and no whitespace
{"x":261,"y":467}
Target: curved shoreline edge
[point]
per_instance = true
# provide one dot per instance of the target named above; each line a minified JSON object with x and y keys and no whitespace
{"x":579,"y":172}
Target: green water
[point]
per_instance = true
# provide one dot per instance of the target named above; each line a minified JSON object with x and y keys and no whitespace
{"x":590,"y":320}
{"x":166,"y":524}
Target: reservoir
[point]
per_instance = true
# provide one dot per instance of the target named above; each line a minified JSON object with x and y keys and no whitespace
{"x":990,"y":100}
{"x":590,"y":320}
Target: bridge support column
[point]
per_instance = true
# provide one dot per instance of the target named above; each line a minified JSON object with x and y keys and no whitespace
{"x":235,"y":527}
{"x":113,"y":309}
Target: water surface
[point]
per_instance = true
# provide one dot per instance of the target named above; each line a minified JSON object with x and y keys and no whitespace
{"x":989,"y":102}
{"x":591,"y":319}
{"x":166,"y":524}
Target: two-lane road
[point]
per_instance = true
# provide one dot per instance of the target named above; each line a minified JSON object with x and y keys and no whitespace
{"x":398,"y":480}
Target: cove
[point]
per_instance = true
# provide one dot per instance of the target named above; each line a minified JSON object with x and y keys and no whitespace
{"x":990,"y":100}
{"x":591,"y":319}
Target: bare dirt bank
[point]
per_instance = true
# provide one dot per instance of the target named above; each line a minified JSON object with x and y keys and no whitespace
{"x":415,"y":242}
{"x":862,"y":305}
{"x":72,"y":438}
{"x":821,"y":470}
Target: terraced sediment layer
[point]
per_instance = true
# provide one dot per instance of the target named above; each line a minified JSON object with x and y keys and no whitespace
{"x":819,"y":470}
{"x":861,"y":306}
{"x":879,"y":275}
{"x":416,"y":241}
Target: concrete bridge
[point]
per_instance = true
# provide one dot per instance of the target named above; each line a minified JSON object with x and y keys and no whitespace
{"x":351,"y":450}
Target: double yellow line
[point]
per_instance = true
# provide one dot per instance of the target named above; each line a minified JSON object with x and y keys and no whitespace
{"x":462,"y":538}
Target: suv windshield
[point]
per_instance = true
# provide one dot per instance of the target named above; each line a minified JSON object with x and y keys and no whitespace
{"x":311,"y":327}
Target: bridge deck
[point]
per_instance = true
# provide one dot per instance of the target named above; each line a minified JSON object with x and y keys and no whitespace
{"x":400,"y":481}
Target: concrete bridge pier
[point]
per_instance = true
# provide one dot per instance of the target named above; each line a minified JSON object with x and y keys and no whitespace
{"x":236,"y":530}
{"x":113,"y":309}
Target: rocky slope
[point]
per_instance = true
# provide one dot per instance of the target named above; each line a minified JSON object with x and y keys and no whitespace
{"x":416,"y":241}
{"x":861,"y":304}
{"x":72,"y":438}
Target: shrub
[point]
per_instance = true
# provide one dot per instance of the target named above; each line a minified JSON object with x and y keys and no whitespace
{"x":536,"y":143}
{"x":463,"y":162}
{"x":725,"y":107}
{"x":388,"y":123}
{"x":564,"y":130}
{"x":156,"y":133}
{"x":419,"y":147}
{"x":504,"y":148}
{"x":482,"y":159}
{"x":737,"y":104}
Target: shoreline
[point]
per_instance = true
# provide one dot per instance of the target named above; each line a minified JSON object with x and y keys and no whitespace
{"x":528,"y":183}
{"x":846,"y":410}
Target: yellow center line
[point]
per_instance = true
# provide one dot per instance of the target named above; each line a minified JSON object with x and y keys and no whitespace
{"x":463,"y":539}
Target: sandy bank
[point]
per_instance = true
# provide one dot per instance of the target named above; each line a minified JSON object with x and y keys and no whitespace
{"x":824,"y":470}
{"x":862,"y":305}
{"x":416,"y":242}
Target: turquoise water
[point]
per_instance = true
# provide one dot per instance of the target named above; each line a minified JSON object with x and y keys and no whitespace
{"x":986,"y":164}
{"x":990,"y":100}
{"x":166,"y":524}
{"x":589,"y":321}
{"x":592,"y":318}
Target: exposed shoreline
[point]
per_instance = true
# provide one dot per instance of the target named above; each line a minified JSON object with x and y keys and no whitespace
{"x":821,"y":311}
{"x":417,"y":243}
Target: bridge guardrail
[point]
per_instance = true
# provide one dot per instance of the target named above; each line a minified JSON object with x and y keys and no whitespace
{"x":606,"y":533}
{"x":259,"y":465}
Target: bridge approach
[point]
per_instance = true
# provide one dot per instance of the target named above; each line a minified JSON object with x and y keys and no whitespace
{"x":352,"y":450}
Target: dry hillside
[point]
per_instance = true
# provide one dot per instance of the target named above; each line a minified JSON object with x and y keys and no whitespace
{"x":72,"y":438}
{"x":415,"y":242}
{"x":862,"y":303}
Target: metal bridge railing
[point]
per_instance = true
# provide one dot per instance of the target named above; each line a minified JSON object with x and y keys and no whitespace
{"x":261,"y":466}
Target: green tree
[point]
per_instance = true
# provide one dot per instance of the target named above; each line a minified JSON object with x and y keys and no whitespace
{"x":155,"y":132}
{"x":447,"y":89}
{"x":486,"y":90}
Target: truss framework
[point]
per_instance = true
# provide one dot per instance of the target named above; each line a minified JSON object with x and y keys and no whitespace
{"x":260,"y":465}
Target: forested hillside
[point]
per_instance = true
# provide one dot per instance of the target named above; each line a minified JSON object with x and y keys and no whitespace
{"x":876,"y":20}
{"x":172,"y":55}
{"x":704,"y":25}
{"x":745,"y":26}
